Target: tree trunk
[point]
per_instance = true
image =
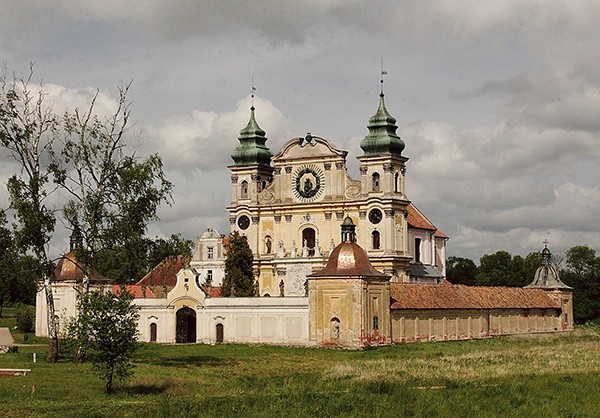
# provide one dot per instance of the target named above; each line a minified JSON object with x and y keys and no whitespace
{"x":52,"y":331}
{"x":108,"y":381}
{"x":85,"y":284}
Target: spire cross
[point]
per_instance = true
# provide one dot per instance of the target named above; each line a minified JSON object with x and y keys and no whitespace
{"x":383,"y":72}
{"x":546,"y":242}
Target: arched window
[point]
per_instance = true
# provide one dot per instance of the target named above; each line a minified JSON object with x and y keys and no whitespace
{"x":375,"y":240}
{"x":397,"y":182}
{"x":153,"y":332}
{"x":244,"y":190}
{"x":376,"y":180}
{"x":308,"y":242}
{"x":219,"y":330}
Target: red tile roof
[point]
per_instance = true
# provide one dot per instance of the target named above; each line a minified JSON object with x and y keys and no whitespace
{"x":138,"y":291}
{"x":69,"y":269}
{"x":416,"y":219}
{"x":162,"y":278}
{"x":449,"y":296}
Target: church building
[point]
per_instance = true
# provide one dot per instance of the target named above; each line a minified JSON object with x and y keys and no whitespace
{"x":381,"y":280}
{"x":290,"y":205}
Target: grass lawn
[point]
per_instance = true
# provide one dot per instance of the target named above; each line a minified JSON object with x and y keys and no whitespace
{"x":544,"y":376}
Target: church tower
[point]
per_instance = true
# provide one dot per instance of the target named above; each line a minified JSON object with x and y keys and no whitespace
{"x":250,"y":174}
{"x":382,"y":170}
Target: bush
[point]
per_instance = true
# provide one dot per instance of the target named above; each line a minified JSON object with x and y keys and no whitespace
{"x":25,"y":318}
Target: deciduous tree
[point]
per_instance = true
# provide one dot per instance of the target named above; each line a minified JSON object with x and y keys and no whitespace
{"x":461,"y":270}
{"x":27,"y":130}
{"x":113,"y":193}
{"x":106,"y":327}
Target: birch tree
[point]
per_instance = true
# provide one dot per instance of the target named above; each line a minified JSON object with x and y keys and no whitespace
{"x":113,"y":193}
{"x":28,"y":130}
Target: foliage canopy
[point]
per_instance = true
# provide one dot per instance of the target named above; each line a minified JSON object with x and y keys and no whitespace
{"x":106,"y":327}
{"x":239,"y":275}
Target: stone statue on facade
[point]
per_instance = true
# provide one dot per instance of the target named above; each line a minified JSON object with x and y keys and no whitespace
{"x":280,"y":250}
{"x":293,"y":252}
{"x":304,"y":249}
{"x":317,"y":249}
{"x":281,"y":288}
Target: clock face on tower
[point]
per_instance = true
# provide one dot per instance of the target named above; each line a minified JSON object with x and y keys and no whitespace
{"x":375,"y":216}
{"x":308,"y":183}
{"x":243,"y":222}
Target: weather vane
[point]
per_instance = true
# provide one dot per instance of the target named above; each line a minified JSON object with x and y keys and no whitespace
{"x":253,"y":89}
{"x":383,"y":72}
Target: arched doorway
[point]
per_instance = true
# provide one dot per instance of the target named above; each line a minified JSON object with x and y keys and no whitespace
{"x":186,"y":325}
{"x":219,"y":333}
{"x":308,"y":240}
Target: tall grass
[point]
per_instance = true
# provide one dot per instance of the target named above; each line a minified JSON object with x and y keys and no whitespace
{"x":550,"y":376}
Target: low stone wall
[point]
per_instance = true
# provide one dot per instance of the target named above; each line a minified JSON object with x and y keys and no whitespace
{"x":463,"y":324}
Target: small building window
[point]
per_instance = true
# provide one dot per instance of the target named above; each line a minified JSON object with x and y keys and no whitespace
{"x":209,"y":276}
{"x":210,"y":252}
{"x":244,"y":190}
{"x":153,"y":332}
{"x":375,"y":240}
{"x":375,"y":323}
{"x":376,"y":180}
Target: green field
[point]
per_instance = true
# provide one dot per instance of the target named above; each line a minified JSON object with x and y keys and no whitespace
{"x":544,"y":376}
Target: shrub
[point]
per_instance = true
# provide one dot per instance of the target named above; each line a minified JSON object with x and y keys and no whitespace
{"x":25,"y":318}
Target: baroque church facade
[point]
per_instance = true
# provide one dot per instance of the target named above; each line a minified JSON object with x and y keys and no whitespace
{"x":290,"y":207}
{"x":381,"y":280}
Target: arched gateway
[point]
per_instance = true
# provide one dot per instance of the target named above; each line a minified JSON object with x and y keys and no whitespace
{"x":186,"y":325}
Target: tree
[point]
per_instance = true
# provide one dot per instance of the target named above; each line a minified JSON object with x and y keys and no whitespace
{"x":582,"y":273}
{"x":126,"y":264}
{"x":6,"y":259}
{"x":113,"y":194}
{"x":239,"y":275}
{"x":28,"y":130}
{"x":502,"y":269}
{"x":106,"y":327}
{"x":461,"y":270}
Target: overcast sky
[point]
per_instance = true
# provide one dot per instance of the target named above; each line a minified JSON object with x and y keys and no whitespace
{"x":498,"y":102}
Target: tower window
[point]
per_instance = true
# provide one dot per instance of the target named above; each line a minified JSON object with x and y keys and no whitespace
{"x":396,"y":182}
{"x":417,"y":250}
{"x":376,"y":180}
{"x":244,"y":190}
{"x":375,"y":240}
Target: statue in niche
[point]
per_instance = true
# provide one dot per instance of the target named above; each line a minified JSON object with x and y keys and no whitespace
{"x":335,"y":329}
{"x":268,"y":244}
{"x":281,"y":288}
{"x":331,"y":246}
{"x":305,"y":249}
{"x":294,"y":251}
{"x":280,"y":250}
